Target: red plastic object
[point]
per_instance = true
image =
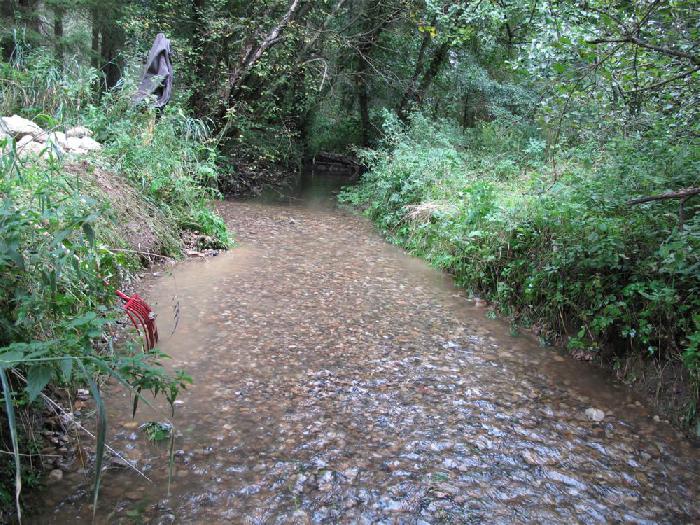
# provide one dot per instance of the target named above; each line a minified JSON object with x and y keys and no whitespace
{"x":142,"y":317}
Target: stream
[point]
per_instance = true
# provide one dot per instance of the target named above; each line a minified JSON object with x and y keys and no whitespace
{"x":339,"y":380}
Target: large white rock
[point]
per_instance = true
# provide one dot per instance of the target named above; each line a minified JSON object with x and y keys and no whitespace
{"x":26,"y":139}
{"x":90,"y":144}
{"x":74,"y":145}
{"x":81,"y":145}
{"x":17,"y":127}
{"x":55,"y":144}
{"x":34,"y":148}
{"x":79,"y":131}
{"x":59,"y":138}
{"x":31,"y":139}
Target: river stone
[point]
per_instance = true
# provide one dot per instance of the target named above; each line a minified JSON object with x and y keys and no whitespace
{"x":18,"y":126}
{"x":166,"y":519}
{"x":22,"y":142}
{"x":133,"y":495}
{"x":57,"y":140}
{"x":55,"y":475}
{"x":79,"y":132}
{"x":532,"y":459}
{"x":90,"y":144}
{"x":75,"y":145}
{"x":35,"y":148}
{"x":595,"y":414}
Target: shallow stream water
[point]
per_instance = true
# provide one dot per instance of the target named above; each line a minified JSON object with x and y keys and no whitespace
{"x":339,"y":380}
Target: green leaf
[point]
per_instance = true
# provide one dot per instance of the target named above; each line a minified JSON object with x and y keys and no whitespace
{"x":8,"y":359}
{"x":101,"y":435}
{"x":13,"y":254}
{"x":89,"y":233}
{"x":559,"y":67}
{"x":37,"y":378}
{"x":83,"y":320}
{"x":66,"y":365}
{"x":10,"y":410}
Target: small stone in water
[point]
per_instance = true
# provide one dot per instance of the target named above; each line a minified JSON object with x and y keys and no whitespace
{"x":133,"y":495}
{"x":56,"y":475}
{"x":595,"y":414}
{"x":82,"y":394}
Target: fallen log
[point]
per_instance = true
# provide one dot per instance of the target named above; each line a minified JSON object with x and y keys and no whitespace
{"x":683,"y":195}
{"x":680,"y":194}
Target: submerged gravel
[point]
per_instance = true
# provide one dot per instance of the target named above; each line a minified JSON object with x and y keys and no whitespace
{"x":338,"y":380}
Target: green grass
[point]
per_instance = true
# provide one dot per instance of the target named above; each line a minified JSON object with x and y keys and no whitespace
{"x":63,"y":249}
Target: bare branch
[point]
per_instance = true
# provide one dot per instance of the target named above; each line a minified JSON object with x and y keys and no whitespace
{"x":681,"y":194}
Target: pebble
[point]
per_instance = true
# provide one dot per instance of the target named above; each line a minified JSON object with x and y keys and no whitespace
{"x":133,"y":495}
{"x":82,"y":394}
{"x":55,"y":475}
{"x":338,"y":381}
{"x":595,"y":414}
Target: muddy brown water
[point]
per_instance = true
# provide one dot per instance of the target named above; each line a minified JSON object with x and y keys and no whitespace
{"x":339,"y":380}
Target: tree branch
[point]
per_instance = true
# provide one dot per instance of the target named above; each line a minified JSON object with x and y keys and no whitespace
{"x":681,"y":194}
{"x":664,"y":82}
{"x":252,"y":53}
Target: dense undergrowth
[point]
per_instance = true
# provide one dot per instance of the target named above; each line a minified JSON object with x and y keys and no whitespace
{"x":554,"y":247}
{"x":65,"y":245}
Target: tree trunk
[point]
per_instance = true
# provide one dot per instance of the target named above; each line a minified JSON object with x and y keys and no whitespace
{"x":363,"y":99}
{"x":107,"y":40}
{"x":466,"y":113}
{"x":433,"y":69}
{"x":95,"y":41}
{"x":112,"y":41}
{"x":410,"y":92}
{"x":58,"y":12}
{"x":376,"y":20}
{"x":198,"y":100}
{"x":7,"y":14}
{"x":23,"y":15}
{"x":29,"y":16}
{"x":251,"y":53}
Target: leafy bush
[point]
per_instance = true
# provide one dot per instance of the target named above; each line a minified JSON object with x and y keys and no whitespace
{"x":34,"y":84}
{"x":556,"y":249}
{"x":59,"y":240}
{"x":167,"y":155}
{"x":55,"y":305}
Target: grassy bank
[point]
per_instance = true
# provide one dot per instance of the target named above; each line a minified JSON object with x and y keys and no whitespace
{"x":551,"y":239}
{"x":74,"y":229}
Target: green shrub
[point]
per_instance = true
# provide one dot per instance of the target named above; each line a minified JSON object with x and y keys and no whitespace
{"x":167,"y":155}
{"x":55,"y":304}
{"x":60,"y":240}
{"x":556,"y":249}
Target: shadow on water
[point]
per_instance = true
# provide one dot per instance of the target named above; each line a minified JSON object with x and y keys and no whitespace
{"x":339,"y":380}
{"x":316,"y":186}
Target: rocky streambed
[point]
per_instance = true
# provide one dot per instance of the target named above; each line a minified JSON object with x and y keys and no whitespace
{"x":337,"y":380}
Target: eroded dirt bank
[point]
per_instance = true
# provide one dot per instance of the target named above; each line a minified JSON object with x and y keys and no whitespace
{"x":339,"y":380}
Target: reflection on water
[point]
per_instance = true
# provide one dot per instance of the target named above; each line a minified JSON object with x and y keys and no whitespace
{"x":339,"y":380}
{"x":313,"y":187}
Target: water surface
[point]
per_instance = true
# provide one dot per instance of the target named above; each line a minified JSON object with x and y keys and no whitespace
{"x":338,"y":380}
